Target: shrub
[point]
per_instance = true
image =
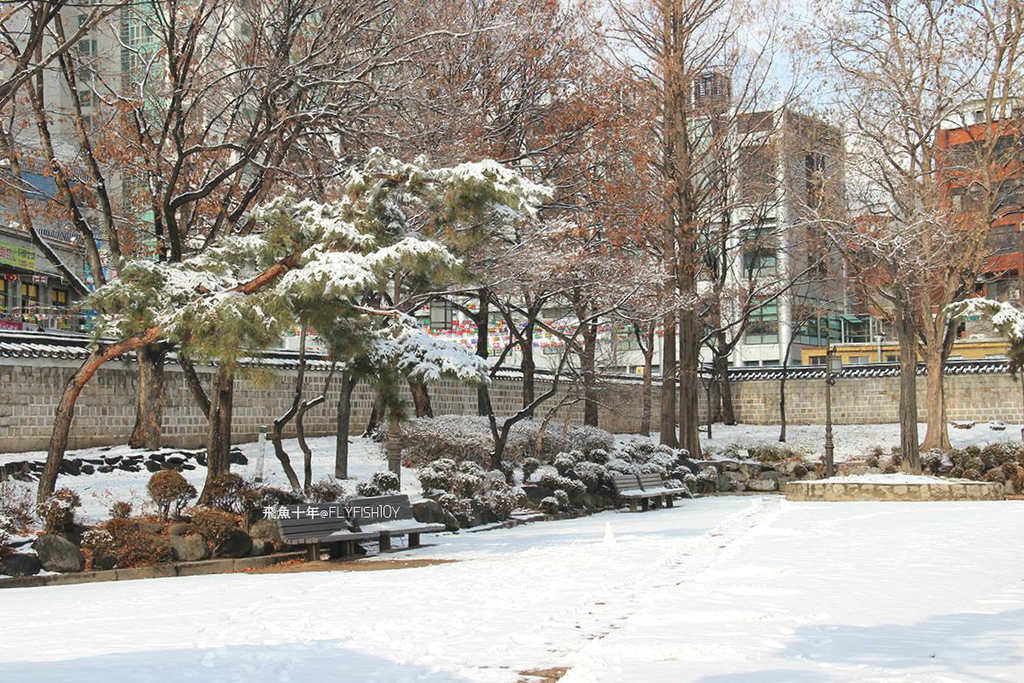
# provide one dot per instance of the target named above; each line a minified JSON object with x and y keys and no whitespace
{"x":598,"y":456}
{"x":213,"y":525}
{"x":456,"y":437}
{"x":386,"y":481}
{"x":17,"y":505}
{"x":171,"y":492}
{"x":549,"y":505}
{"x":460,"y":508}
{"x":563,"y":499}
{"x":588,"y":439}
{"x":58,"y":512}
{"x":530,"y":466}
{"x":228,"y":492}
{"x":621,"y":466}
{"x":367,"y":489}
{"x":134,"y":546}
{"x":6,"y":531}
{"x":121,"y":509}
{"x":564,"y":462}
{"x":591,"y":474}
{"x":971,"y":474}
{"x":325,"y":491}
{"x":773,"y":452}
{"x":502,"y":500}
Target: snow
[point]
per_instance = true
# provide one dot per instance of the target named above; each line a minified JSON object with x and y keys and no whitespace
{"x":716,"y":590}
{"x":851,"y":441}
{"x":100,"y":491}
{"x":899,"y":478}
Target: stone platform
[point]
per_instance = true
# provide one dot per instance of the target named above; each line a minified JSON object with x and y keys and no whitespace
{"x":897,"y":488}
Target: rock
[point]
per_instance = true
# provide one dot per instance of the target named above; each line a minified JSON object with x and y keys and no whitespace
{"x":72,"y":467}
{"x":261,"y":547}
{"x":20,"y":564}
{"x":963,"y":425}
{"x":105,"y":469}
{"x":267,"y":528}
{"x":129,"y":467}
{"x":153,"y":466}
{"x":762,"y":485}
{"x":201,"y":459}
{"x":176,"y":460}
{"x":237,"y":544}
{"x":179,"y":529}
{"x":58,"y":554}
{"x":88,"y":469}
{"x":189,"y":548}
{"x":237,"y":458}
{"x":170,"y":466}
{"x":188,"y":466}
{"x":430,"y":512}
{"x":157,"y":457}
{"x":112,"y":459}
{"x":997,"y":426}
{"x":103,"y":562}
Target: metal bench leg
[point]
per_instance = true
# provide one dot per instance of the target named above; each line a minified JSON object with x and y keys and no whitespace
{"x":668,"y":501}
{"x":385,"y":542}
{"x":632,"y":504}
{"x":313,"y":552}
{"x":644,"y":505}
{"x":414,"y":540}
{"x":657,"y":502}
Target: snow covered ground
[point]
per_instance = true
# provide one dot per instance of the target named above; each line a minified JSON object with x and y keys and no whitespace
{"x":717,"y":590}
{"x":851,"y":441}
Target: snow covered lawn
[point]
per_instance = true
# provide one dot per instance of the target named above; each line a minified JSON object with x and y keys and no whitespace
{"x":717,"y":590}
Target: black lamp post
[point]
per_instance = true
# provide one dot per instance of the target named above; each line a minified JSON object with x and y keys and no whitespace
{"x":833,"y":366}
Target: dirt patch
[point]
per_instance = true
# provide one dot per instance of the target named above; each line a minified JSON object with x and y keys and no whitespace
{"x":543,"y":675}
{"x":345,"y":566}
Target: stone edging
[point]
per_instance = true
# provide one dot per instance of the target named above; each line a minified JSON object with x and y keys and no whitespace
{"x":201,"y":568}
{"x":848,"y":491}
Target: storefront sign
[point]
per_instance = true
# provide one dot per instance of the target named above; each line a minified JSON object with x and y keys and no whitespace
{"x":10,"y":325}
{"x":40,"y":279}
{"x":17,"y":256}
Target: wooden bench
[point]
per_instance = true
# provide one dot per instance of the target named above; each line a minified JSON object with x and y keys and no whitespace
{"x":386,"y":516}
{"x":313,"y":524}
{"x":644,"y":488}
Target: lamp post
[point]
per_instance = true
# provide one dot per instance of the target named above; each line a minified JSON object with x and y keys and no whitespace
{"x":833,"y":366}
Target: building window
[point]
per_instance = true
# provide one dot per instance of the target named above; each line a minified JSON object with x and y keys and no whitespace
{"x":59,"y":297}
{"x":764,"y":325}
{"x":440,"y":316}
{"x":6,"y":294}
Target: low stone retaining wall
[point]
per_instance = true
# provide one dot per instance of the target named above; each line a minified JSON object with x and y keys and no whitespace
{"x":221,"y":566}
{"x":847,"y":491}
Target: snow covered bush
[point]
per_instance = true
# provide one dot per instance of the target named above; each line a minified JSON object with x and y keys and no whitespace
{"x":17,"y":504}
{"x":588,"y":439}
{"x":564,"y":462}
{"x":502,"y":500}
{"x":690,"y":481}
{"x":773,"y":452}
{"x":598,"y":455}
{"x":530,"y":466}
{"x":619,"y":465}
{"x":460,"y":508}
{"x":562,"y":497}
{"x":6,"y":531}
{"x":380,"y":484}
{"x":58,"y":511}
{"x":463,"y":485}
{"x":171,"y":492}
{"x":572,"y":487}
{"x":549,"y":505}
{"x":591,"y":474}
{"x":456,"y":437}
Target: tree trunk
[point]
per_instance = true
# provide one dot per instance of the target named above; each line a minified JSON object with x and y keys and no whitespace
{"x":372,"y":430}
{"x":668,"y":383}
{"x":300,"y":429}
{"x":907,"y":334}
{"x":218,"y":433}
{"x":482,"y":320}
{"x":689,"y":382}
{"x":645,"y":413}
{"x":588,"y":364}
{"x":348,"y":383}
{"x":420,"y":399}
{"x":528,"y":365}
{"x":149,"y":411}
{"x":937,"y":432}
{"x":66,"y":408}
{"x":279,"y":424}
{"x":724,"y":384}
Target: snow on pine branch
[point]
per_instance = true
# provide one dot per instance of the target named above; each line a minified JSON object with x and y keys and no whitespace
{"x":1006,"y":318}
{"x":407,"y":347}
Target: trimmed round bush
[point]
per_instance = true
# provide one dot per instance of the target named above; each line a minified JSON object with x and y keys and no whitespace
{"x":58,"y":511}
{"x":171,"y":492}
{"x":213,"y":525}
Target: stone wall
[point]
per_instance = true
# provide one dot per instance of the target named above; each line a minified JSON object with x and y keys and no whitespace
{"x":31,"y":387}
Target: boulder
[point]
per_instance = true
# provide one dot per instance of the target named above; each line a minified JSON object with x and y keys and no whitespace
{"x":237,"y":458}
{"x":88,"y":469}
{"x":762,"y":485}
{"x":153,"y":466}
{"x":261,"y":547}
{"x":157,"y":457}
{"x":103,"y":561}
{"x":112,"y":459}
{"x":535,"y":493}
{"x":105,"y":469}
{"x":237,"y":544}
{"x":430,"y":512}
{"x":71,"y":466}
{"x":179,"y":529}
{"x":20,"y":564}
{"x":267,"y":528}
{"x":201,"y":459}
{"x":58,"y":554}
{"x":189,"y":548}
